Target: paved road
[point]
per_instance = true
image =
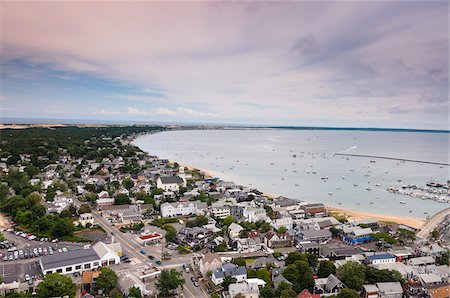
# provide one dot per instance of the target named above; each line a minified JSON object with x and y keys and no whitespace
{"x":432,"y":223}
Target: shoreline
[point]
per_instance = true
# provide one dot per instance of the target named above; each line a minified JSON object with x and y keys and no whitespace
{"x":409,"y":221}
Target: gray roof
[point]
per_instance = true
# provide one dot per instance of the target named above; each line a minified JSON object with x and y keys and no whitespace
{"x":315,"y":233}
{"x":69,"y":258}
{"x":230,"y":269}
{"x":171,"y":179}
{"x":390,"y":287}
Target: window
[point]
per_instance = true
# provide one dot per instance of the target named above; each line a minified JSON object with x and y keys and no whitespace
{"x":49,"y":272}
{"x":96,"y":264}
{"x":58,"y":270}
{"x":68,"y":269}
{"x":87,"y":266}
{"x":78,"y":267}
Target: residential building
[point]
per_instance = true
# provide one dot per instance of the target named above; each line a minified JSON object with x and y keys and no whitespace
{"x":233,"y":231}
{"x":274,"y":240}
{"x":229,"y":269}
{"x":319,"y":236}
{"x":390,"y":290}
{"x":306,"y":294}
{"x":86,"y":218}
{"x":247,"y":245}
{"x":104,"y":202}
{"x":380,"y":259}
{"x":314,"y":209}
{"x":329,"y":285}
{"x":209,"y":263}
{"x":244,"y":290}
{"x":171,"y":183}
{"x":183,"y":208}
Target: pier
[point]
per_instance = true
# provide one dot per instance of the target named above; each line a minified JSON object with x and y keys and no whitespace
{"x":394,"y":158}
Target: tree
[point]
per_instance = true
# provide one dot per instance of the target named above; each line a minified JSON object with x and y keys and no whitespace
{"x":168,"y":282}
{"x":326,"y":268}
{"x":285,"y":290}
{"x":295,"y":256}
{"x":227,"y":281}
{"x":352,"y":275}
{"x":63,"y":227}
{"x":373,"y":275}
{"x":300,"y":275}
{"x":269,"y":211}
{"x":115,"y":293}
{"x":84,"y":208}
{"x":348,"y":293}
{"x":264,"y":274}
{"x":267,"y":292}
{"x":238,"y":261}
{"x":282,"y":230}
{"x":134,"y":292}
{"x":107,"y":280}
{"x":228,"y":220}
{"x":122,"y":199}
{"x":171,"y":233}
{"x":56,"y":285}
{"x":128,"y":183}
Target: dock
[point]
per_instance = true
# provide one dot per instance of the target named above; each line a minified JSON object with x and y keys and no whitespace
{"x":394,"y":158}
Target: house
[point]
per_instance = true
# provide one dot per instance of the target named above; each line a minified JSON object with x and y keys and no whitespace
{"x":370,"y":291}
{"x":329,"y":285}
{"x":195,"y":237}
{"x":390,"y":290}
{"x":233,"y":231}
{"x":254,"y":214}
{"x":340,"y":253}
{"x":306,"y":294}
{"x":86,"y":218}
{"x":275,"y":240}
{"x":220,"y":209}
{"x":319,"y":236}
{"x":421,"y":261}
{"x":380,"y":259}
{"x":309,"y":247}
{"x":244,"y":290}
{"x":247,"y":245}
{"x":171,"y":183}
{"x":314,"y":209}
{"x":286,"y":222}
{"x":354,"y":235}
{"x":183,"y":209}
{"x":278,"y":278}
{"x":88,"y":280}
{"x":209,"y":263}
{"x":104,"y":202}
{"x":229,"y":269}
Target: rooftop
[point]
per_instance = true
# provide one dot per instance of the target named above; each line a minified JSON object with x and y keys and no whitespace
{"x":69,"y":258}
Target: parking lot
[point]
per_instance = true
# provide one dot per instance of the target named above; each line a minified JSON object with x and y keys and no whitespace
{"x":13,"y":271}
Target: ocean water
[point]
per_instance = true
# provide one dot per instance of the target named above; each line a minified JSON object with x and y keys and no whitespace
{"x":282,"y":162}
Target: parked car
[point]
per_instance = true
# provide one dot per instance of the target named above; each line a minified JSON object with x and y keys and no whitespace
{"x":142,"y":251}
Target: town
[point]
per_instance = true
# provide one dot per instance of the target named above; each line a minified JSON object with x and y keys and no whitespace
{"x":87,"y":214}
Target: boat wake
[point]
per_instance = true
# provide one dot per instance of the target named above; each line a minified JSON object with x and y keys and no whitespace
{"x":349,"y":149}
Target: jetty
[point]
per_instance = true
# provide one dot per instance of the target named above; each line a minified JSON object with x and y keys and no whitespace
{"x":394,"y":158}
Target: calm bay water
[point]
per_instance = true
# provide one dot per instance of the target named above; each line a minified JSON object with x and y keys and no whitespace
{"x":265,"y":159}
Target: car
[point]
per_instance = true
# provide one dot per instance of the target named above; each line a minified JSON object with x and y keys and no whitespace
{"x":193,"y":279}
{"x":5,"y":258}
{"x":195,"y":284}
{"x":27,"y":277}
{"x":59,"y":250}
{"x":142,"y":251}
{"x":64,"y":249}
{"x":11,"y":257}
{"x":151,"y":257}
{"x":127,"y":261}
{"x":158,"y":262}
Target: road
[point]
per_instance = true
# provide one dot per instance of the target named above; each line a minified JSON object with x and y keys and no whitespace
{"x":132,"y":249}
{"x":432,"y":223}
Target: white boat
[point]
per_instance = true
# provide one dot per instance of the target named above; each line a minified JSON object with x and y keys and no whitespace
{"x":368,"y":188}
{"x":402,"y":202}
{"x":338,"y":187}
{"x":330,"y":193}
{"x":355,"y":184}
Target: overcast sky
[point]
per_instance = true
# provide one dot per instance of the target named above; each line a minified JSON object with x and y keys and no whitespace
{"x":359,"y":63}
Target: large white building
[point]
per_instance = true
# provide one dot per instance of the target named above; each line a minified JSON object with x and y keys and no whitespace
{"x":171,"y":183}
{"x":80,"y":260}
{"x":183,"y":209}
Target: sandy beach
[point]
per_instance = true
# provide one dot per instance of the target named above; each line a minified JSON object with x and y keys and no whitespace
{"x":208,"y":173}
{"x":412,"y":222}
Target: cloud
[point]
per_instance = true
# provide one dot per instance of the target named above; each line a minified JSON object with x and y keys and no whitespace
{"x":224,"y":60}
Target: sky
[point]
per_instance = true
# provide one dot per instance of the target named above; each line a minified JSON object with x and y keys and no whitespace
{"x":307,"y":63}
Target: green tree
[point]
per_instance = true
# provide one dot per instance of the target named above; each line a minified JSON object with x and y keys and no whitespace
{"x":122,"y":199}
{"x":56,"y":285}
{"x":348,"y":293}
{"x":115,"y":293}
{"x":300,"y":275}
{"x":269,"y":211}
{"x":228,"y":221}
{"x":295,"y":256}
{"x":352,"y":275}
{"x":285,"y":290}
{"x":128,"y":183}
{"x":264,"y":274}
{"x":282,"y":230}
{"x":267,"y":292}
{"x":107,"y":280}
{"x":84,"y":208}
{"x":134,"y":292}
{"x":326,"y":268}
{"x":238,"y":261}
{"x":168,"y":282}
{"x":63,"y":227}
{"x":171,"y":233}
{"x":227,"y":281}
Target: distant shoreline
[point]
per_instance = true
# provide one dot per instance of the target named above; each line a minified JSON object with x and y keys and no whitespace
{"x":19,"y":123}
{"x":409,"y":221}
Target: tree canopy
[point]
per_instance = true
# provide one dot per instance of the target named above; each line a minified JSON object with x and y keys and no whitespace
{"x":168,"y":282}
{"x":56,"y":285}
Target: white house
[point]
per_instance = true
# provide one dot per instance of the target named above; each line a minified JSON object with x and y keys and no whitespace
{"x":171,"y":183}
{"x":105,"y":202}
{"x":381,"y":259}
{"x":286,"y":222}
{"x":244,"y":290}
{"x":86,"y":218}
{"x":233,"y":230}
{"x":183,"y":209}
